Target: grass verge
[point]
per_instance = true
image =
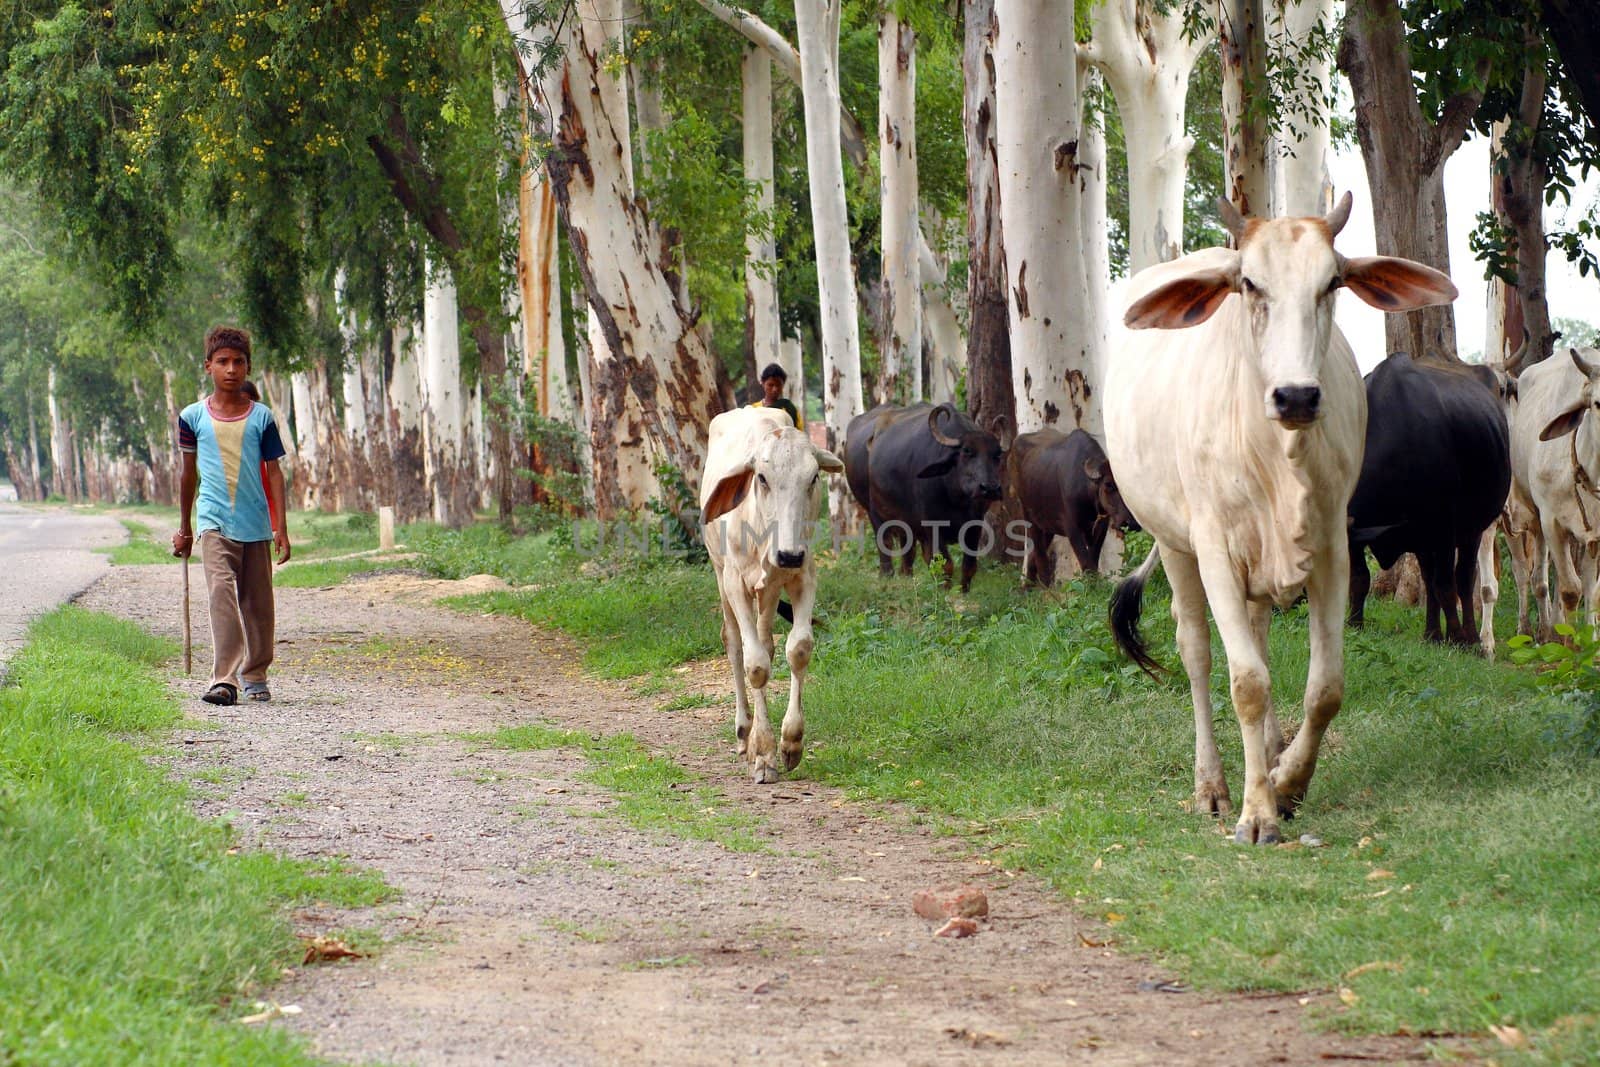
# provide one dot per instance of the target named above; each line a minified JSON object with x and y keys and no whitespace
{"x":130,"y":931}
{"x":652,"y":792}
{"x":1457,"y":885}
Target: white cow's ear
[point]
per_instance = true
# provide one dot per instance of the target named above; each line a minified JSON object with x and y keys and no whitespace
{"x":828,"y":461}
{"x":1564,"y":423}
{"x":1187,"y":300}
{"x":727,"y":495}
{"x":1392,"y":284}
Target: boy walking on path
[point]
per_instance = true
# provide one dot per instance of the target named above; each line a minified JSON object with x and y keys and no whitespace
{"x":226,"y":439}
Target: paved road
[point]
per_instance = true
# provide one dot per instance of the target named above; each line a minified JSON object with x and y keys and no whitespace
{"x":46,"y":558}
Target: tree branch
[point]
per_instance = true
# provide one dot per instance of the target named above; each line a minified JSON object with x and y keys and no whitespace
{"x":1455,"y":119}
{"x":787,"y":58}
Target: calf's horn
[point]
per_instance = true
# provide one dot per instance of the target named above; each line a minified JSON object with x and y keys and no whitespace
{"x":1232,"y":221}
{"x":933,"y":427}
{"x":1582,"y":364}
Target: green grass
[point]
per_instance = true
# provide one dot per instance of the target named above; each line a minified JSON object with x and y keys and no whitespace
{"x":142,"y":547}
{"x":652,"y":792}
{"x":1009,"y":717}
{"x":129,"y":930}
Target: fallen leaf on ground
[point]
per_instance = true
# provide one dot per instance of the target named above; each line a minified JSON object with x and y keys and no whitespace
{"x":1377,"y":873}
{"x":1349,"y":996}
{"x":269,"y":1011}
{"x":975,"y":1038}
{"x":1089,"y":942}
{"x":1114,"y":917}
{"x":1510,"y":1036}
{"x":320,"y":948}
{"x":1376,"y":965}
{"x":957,"y":927}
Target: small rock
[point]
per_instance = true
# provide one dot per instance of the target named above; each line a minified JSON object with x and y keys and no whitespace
{"x":1311,"y":840}
{"x":957,"y":927}
{"x":967,"y":902}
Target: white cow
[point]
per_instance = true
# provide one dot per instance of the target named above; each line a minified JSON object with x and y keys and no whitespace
{"x":1236,"y":429}
{"x":759,"y":501}
{"x":1555,"y":459}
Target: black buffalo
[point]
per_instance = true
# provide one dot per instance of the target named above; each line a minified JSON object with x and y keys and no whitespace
{"x":1435,"y":476}
{"x":1064,"y":487}
{"x":926,"y":476}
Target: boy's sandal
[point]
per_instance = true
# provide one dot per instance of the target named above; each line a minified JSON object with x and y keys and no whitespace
{"x":257,"y":691}
{"x":221,"y":694}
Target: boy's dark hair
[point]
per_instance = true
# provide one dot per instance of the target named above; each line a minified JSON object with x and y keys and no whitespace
{"x":227,"y":337}
{"x":249,"y":389}
{"x":772,"y":370}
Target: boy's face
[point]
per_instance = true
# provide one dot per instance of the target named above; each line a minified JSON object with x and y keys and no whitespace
{"x":228,"y":368}
{"x":772,"y":388}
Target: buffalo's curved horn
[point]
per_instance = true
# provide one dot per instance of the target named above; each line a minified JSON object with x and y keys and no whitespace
{"x":938,"y":434}
{"x":1589,"y":369}
{"x":1232,"y":221}
{"x":1340,"y":214}
{"x":1002,"y":428}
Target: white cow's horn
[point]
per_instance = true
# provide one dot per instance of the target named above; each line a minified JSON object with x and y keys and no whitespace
{"x":1339,"y":215}
{"x":1581,"y":363}
{"x":1232,"y":221}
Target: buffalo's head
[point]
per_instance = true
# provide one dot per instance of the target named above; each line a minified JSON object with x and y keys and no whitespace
{"x":1109,"y":506}
{"x":973,"y":461}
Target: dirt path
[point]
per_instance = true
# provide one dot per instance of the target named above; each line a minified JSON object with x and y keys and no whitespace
{"x":537,"y":927}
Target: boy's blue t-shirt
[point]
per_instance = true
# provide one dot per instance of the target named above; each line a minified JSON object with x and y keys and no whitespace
{"x":229,"y":454}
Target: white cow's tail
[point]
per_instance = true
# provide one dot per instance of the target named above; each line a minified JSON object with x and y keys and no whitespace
{"x":1126,"y":603}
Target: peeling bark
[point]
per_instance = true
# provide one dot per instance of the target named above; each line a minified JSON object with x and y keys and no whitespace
{"x":900,"y":346}
{"x":761,"y":253}
{"x":991,"y":399}
{"x":1247,"y":160}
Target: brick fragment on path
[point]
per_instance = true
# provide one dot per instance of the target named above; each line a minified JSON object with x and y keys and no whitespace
{"x":957,"y":927}
{"x":967,"y":902}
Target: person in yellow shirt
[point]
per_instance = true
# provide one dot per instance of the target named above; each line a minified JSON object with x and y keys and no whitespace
{"x":773,"y":379}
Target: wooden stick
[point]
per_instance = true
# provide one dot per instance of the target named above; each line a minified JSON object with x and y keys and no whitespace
{"x":188,"y":642}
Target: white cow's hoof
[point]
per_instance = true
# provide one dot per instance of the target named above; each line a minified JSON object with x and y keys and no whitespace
{"x":1211,"y":798}
{"x":791,"y":752}
{"x":764,"y":774}
{"x":1257,"y":831}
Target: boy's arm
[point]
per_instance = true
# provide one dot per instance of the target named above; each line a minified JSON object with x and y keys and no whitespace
{"x":278,"y":507}
{"x":188,"y":483}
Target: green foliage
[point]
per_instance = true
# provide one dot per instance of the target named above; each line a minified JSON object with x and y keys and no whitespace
{"x":132,"y":936}
{"x":1573,"y":671}
{"x":674,"y":509}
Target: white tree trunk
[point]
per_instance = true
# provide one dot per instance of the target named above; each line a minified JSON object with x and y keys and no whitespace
{"x":761,"y":252}
{"x":618,"y":249}
{"x":33,"y":445}
{"x":901,"y":347}
{"x":444,"y":425}
{"x":1036,"y":140}
{"x":942,"y":341}
{"x":1092,"y":210}
{"x":544,"y":350}
{"x":791,"y":357}
{"x":1247,"y":156}
{"x":817,"y":24}
{"x":1302,"y":171}
{"x":62,"y":482}
{"x":307,"y":457}
{"x":1147,"y":63}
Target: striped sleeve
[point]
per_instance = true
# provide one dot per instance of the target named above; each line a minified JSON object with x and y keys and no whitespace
{"x":271,"y":443}
{"x":186,"y":435}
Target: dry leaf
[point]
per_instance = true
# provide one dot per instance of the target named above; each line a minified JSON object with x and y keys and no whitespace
{"x":269,"y":1011}
{"x":852,"y":878}
{"x":1375,"y":965}
{"x":1099,"y":863}
{"x":975,"y":1038}
{"x":1348,"y":995}
{"x":1089,"y":942}
{"x":1114,"y":917}
{"x":320,"y":949}
{"x":1510,"y":1036}
{"x":1377,"y":873}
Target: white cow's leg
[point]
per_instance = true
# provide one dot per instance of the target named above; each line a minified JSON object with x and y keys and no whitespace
{"x":1250,"y":687}
{"x":1568,"y":585}
{"x":1260,"y":625}
{"x":798,"y":651}
{"x":741,"y":699}
{"x":1326,"y":589}
{"x":1488,"y":589}
{"x":1521,"y":547}
{"x":757,"y":669}
{"x":1194,"y":647}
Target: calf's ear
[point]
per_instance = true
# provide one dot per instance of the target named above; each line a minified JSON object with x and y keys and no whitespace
{"x":828,"y":461}
{"x":1095,"y":468}
{"x":1564,"y":423}
{"x":1392,"y":284}
{"x":727,"y":495}
{"x":939,"y":467}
